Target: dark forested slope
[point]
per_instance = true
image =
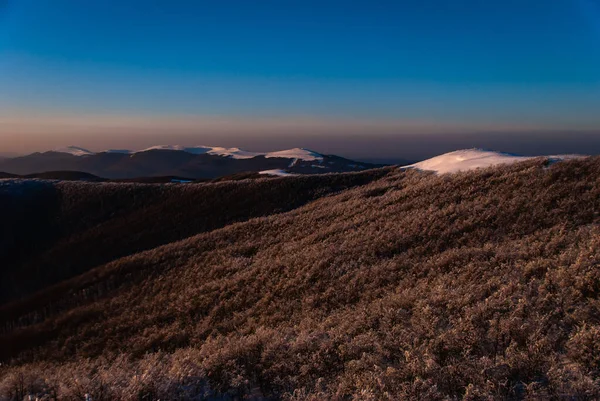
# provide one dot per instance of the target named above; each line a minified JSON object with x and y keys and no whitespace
{"x":479,"y":285}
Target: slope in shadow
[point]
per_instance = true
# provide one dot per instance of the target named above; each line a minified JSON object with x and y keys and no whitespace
{"x":63,"y":229}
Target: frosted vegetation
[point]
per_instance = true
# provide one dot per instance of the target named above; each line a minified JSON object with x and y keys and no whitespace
{"x":477,"y":285}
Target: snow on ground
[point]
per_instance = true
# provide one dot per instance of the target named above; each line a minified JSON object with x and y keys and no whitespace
{"x":197,"y":150}
{"x":470,"y":159}
{"x":235,"y":153}
{"x":74,"y":150}
{"x":277,"y":172}
{"x":296,"y":153}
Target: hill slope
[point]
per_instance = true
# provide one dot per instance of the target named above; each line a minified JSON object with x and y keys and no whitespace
{"x":56,"y":230}
{"x":470,"y":286}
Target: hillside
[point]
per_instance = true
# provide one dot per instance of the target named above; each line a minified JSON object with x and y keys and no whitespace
{"x":399,"y":284}
{"x":55,"y":230}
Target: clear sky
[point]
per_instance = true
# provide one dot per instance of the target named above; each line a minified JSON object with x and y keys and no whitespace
{"x":325,"y":74}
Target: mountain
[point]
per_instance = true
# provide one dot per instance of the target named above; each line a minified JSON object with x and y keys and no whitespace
{"x":385,"y":284}
{"x":470,"y":159}
{"x":199,"y":162}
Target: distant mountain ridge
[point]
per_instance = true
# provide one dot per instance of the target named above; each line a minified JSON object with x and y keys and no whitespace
{"x":236,"y":153}
{"x":197,"y":162}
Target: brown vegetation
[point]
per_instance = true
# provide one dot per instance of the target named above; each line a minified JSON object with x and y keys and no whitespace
{"x":54,"y":231}
{"x":474,"y":286}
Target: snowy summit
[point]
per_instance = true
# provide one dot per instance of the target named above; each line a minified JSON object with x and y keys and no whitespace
{"x":235,"y":153}
{"x":470,"y":159}
{"x":297,"y":153}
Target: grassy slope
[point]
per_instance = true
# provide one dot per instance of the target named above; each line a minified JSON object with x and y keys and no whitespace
{"x":54,"y":231}
{"x":482,"y":284}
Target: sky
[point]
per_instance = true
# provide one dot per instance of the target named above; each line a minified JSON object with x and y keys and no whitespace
{"x":366,"y":79}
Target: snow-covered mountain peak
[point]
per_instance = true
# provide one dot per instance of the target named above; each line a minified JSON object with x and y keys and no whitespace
{"x":235,"y":153}
{"x":470,"y":159}
{"x":297,"y":153}
{"x":197,"y":150}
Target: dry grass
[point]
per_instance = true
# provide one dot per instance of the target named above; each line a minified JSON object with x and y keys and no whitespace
{"x":476,"y":286}
{"x":55,"y":231}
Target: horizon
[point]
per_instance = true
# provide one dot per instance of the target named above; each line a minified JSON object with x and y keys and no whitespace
{"x":385,"y":147}
{"x":548,"y":149}
{"x":392,"y":80}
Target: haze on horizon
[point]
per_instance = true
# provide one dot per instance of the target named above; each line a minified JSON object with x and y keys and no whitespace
{"x":364,"y":79}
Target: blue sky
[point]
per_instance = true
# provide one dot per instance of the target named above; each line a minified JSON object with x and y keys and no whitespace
{"x":477,"y":64}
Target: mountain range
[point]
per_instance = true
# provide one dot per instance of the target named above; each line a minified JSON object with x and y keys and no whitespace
{"x":200,"y":162}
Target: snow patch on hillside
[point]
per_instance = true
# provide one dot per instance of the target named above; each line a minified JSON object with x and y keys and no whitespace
{"x":277,"y":172}
{"x":74,"y":150}
{"x":197,"y":150}
{"x":234,"y":153}
{"x":470,"y":159}
{"x":297,"y":153}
